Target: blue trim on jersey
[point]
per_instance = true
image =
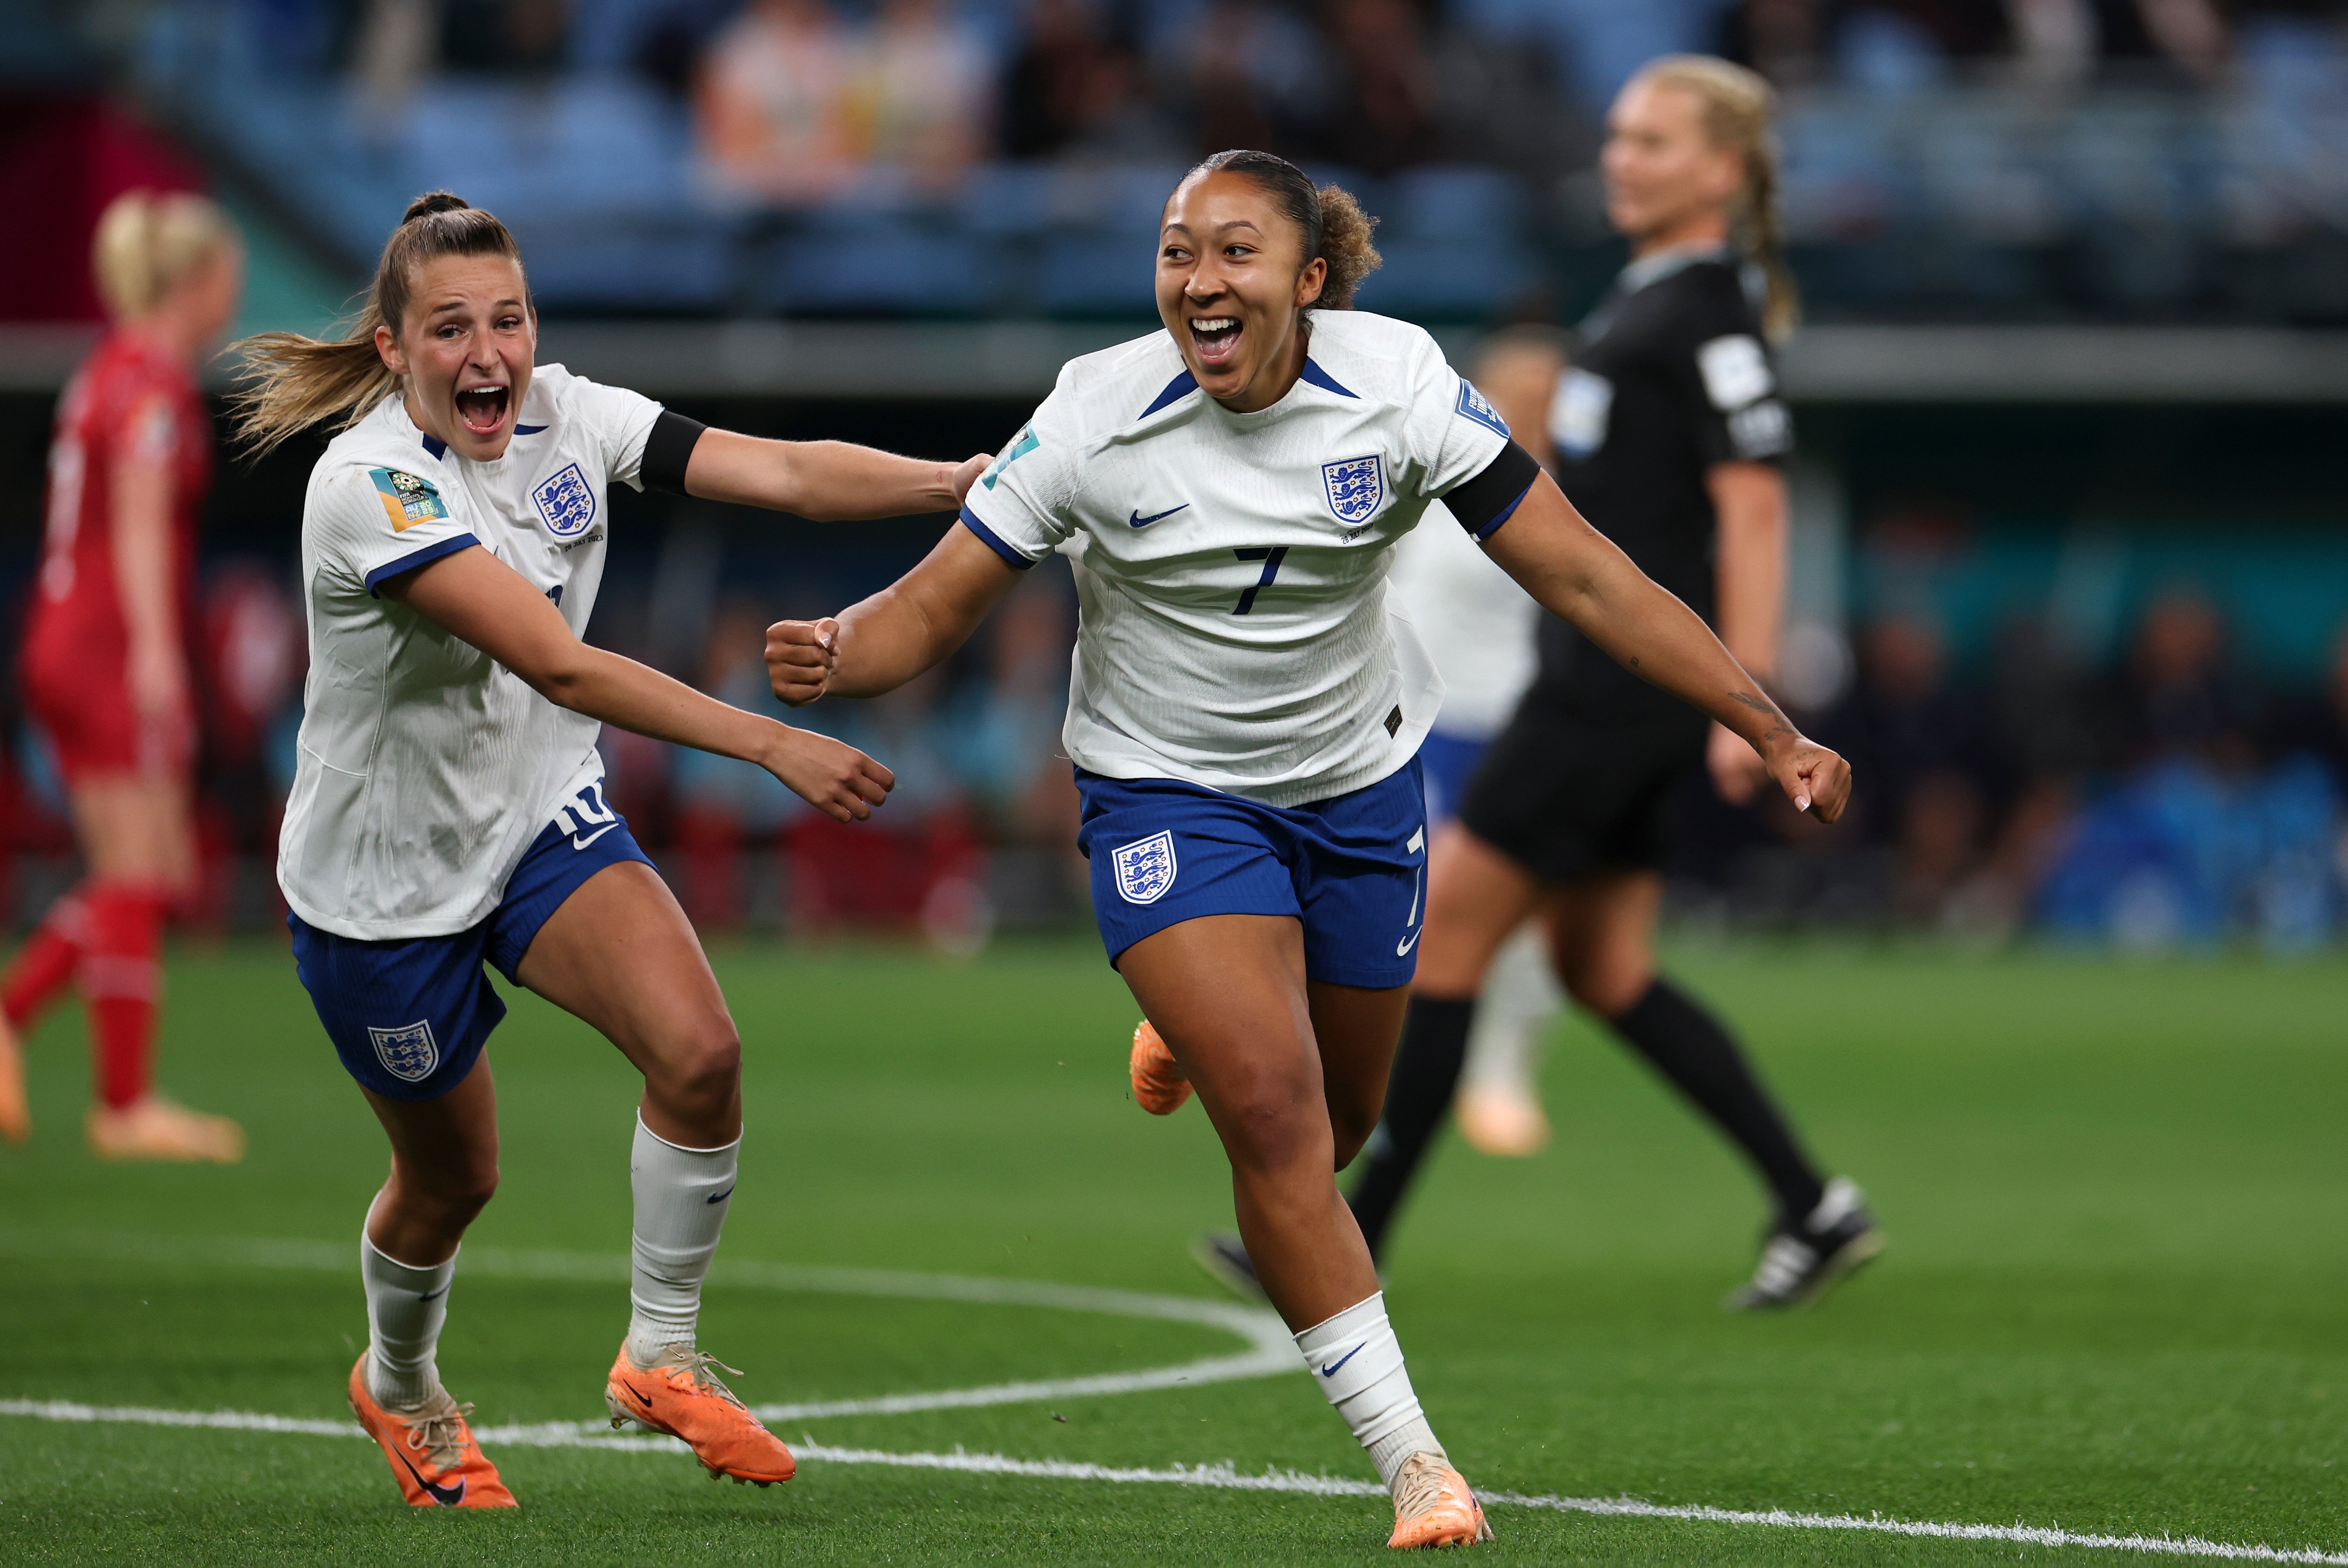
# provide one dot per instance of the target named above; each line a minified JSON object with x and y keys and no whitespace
{"x":528,"y":429}
{"x":1350,"y":869}
{"x":435,"y":445}
{"x":994,"y":540}
{"x":408,"y":1017}
{"x":424,"y":557}
{"x":1505,"y":513}
{"x":1322,"y":378}
{"x":1182,"y":386}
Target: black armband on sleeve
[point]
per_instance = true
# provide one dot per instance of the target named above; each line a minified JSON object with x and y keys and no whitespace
{"x":667,"y":450}
{"x":1483,"y":503}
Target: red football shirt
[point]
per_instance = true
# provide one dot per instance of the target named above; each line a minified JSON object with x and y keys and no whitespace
{"x":125,"y":401}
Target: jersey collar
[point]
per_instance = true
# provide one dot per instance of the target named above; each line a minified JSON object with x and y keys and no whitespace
{"x":1185,"y":384}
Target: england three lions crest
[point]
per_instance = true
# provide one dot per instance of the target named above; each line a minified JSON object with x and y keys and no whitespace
{"x":409,"y":1053}
{"x":1355,"y":487}
{"x":1146,"y":870}
{"x":565,"y":502}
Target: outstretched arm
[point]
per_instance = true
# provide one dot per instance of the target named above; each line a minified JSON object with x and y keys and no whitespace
{"x":1578,"y":575}
{"x":828,"y":481}
{"x":474,"y":595}
{"x":883,"y":642}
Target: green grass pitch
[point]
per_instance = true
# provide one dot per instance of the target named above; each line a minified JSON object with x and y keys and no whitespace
{"x":2114,"y":1301}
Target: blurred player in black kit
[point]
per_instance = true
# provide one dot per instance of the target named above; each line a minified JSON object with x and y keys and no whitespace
{"x":1669,"y":435}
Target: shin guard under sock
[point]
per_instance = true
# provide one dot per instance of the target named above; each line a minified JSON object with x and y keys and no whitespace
{"x":1357,"y":1361}
{"x":682,"y":1195}
{"x":1688,"y":1045}
{"x":1426,"y":1076}
{"x":121,"y":980}
{"x":405,"y":1307}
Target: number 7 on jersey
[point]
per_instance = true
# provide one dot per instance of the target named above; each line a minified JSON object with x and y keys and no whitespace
{"x":1271,"y":557}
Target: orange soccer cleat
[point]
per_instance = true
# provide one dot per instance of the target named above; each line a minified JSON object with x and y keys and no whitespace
{"x":155,"y":1128}
{"x":432,"y":1453}
{"x":1433,"y":1506}
{"x":15,"y":1112}
{"x":1158,"y":1086}
{"x":681,"y":1395}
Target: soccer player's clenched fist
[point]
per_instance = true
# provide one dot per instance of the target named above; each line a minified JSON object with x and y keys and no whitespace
{"x":800,"y":656}
{"x":1816,"y":779}
{"x":833,"y":777}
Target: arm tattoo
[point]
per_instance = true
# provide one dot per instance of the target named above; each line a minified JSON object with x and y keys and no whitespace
{"x":1763,"y":704}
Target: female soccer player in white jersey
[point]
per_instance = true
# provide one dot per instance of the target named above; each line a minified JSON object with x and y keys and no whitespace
{"x":448,"y":805}
{"x":1244,"y":716}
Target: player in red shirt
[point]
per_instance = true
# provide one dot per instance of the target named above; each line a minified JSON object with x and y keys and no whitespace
{"x":105,"y":663}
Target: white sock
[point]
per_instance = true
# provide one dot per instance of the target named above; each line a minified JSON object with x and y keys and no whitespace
{"x":1357,"y":1361}
{"x":682,"y":1196}
{"x":405,"y":1307}
{"x":1519,"y":995}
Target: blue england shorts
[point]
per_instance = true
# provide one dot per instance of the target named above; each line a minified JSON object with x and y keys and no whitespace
{"x":1351,"y":870}
{"x":410,"y":1016}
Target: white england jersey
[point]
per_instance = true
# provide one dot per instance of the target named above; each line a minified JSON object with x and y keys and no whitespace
{"x":425,"y":768}
{"x":1478,"y":623}
{"x":1231,"y":568}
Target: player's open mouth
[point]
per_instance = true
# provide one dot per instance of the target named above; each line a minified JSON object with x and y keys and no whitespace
{"x":483,"y":409}
{"x":1217,"y":338}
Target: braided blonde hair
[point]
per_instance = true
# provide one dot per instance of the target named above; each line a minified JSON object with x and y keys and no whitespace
{"x":1737,"y":107}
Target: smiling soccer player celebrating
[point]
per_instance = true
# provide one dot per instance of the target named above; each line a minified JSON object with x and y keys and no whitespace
{"x":1244,"y":712}
{"x":448,"y":808}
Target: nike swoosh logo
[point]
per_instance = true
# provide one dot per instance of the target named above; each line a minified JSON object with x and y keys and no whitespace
{"x":434,"y":1296}
{"x":642,"y":1397}
{"x":445,"y":1496}
{"x":1401,"y":948}
{"x":721,"y":1197}
{"x":579,"y":843}
{"x":1356,"y":1350}
{"x":1138,"y":520}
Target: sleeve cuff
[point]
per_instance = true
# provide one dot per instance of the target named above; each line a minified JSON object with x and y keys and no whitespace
{"x":424,"y":557}
{"x":995,"y":542}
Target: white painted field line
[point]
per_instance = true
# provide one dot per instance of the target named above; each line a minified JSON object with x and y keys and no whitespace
{"x":1271,"y":1352}
{"x":1222,"y":1477}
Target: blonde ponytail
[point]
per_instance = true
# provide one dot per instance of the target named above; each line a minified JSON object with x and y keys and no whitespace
{"x":147,"y":242}
{"x":1738,"y":107}
{"x":296,"y":381}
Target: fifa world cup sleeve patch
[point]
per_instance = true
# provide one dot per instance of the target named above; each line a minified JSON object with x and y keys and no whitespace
{"x":406,"y":500}
{"x":1020,"y":445}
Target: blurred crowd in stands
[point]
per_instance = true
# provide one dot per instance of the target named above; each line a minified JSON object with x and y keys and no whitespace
{"x":2170,"y":794}
{"x":2020,"y":158}
{"x":792,"y":98}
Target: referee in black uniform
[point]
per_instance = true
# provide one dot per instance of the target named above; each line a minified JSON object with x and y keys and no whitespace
{"x":1669,"y":435}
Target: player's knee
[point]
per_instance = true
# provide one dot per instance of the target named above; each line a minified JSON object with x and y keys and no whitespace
{"x":703,"y":1067}
{"x":455,"y":1190}
{"x":1273,"y":1126}
{"x":1606,"y":983}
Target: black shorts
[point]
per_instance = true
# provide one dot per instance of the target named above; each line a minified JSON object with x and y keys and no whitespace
{"x":1563,"y":794}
